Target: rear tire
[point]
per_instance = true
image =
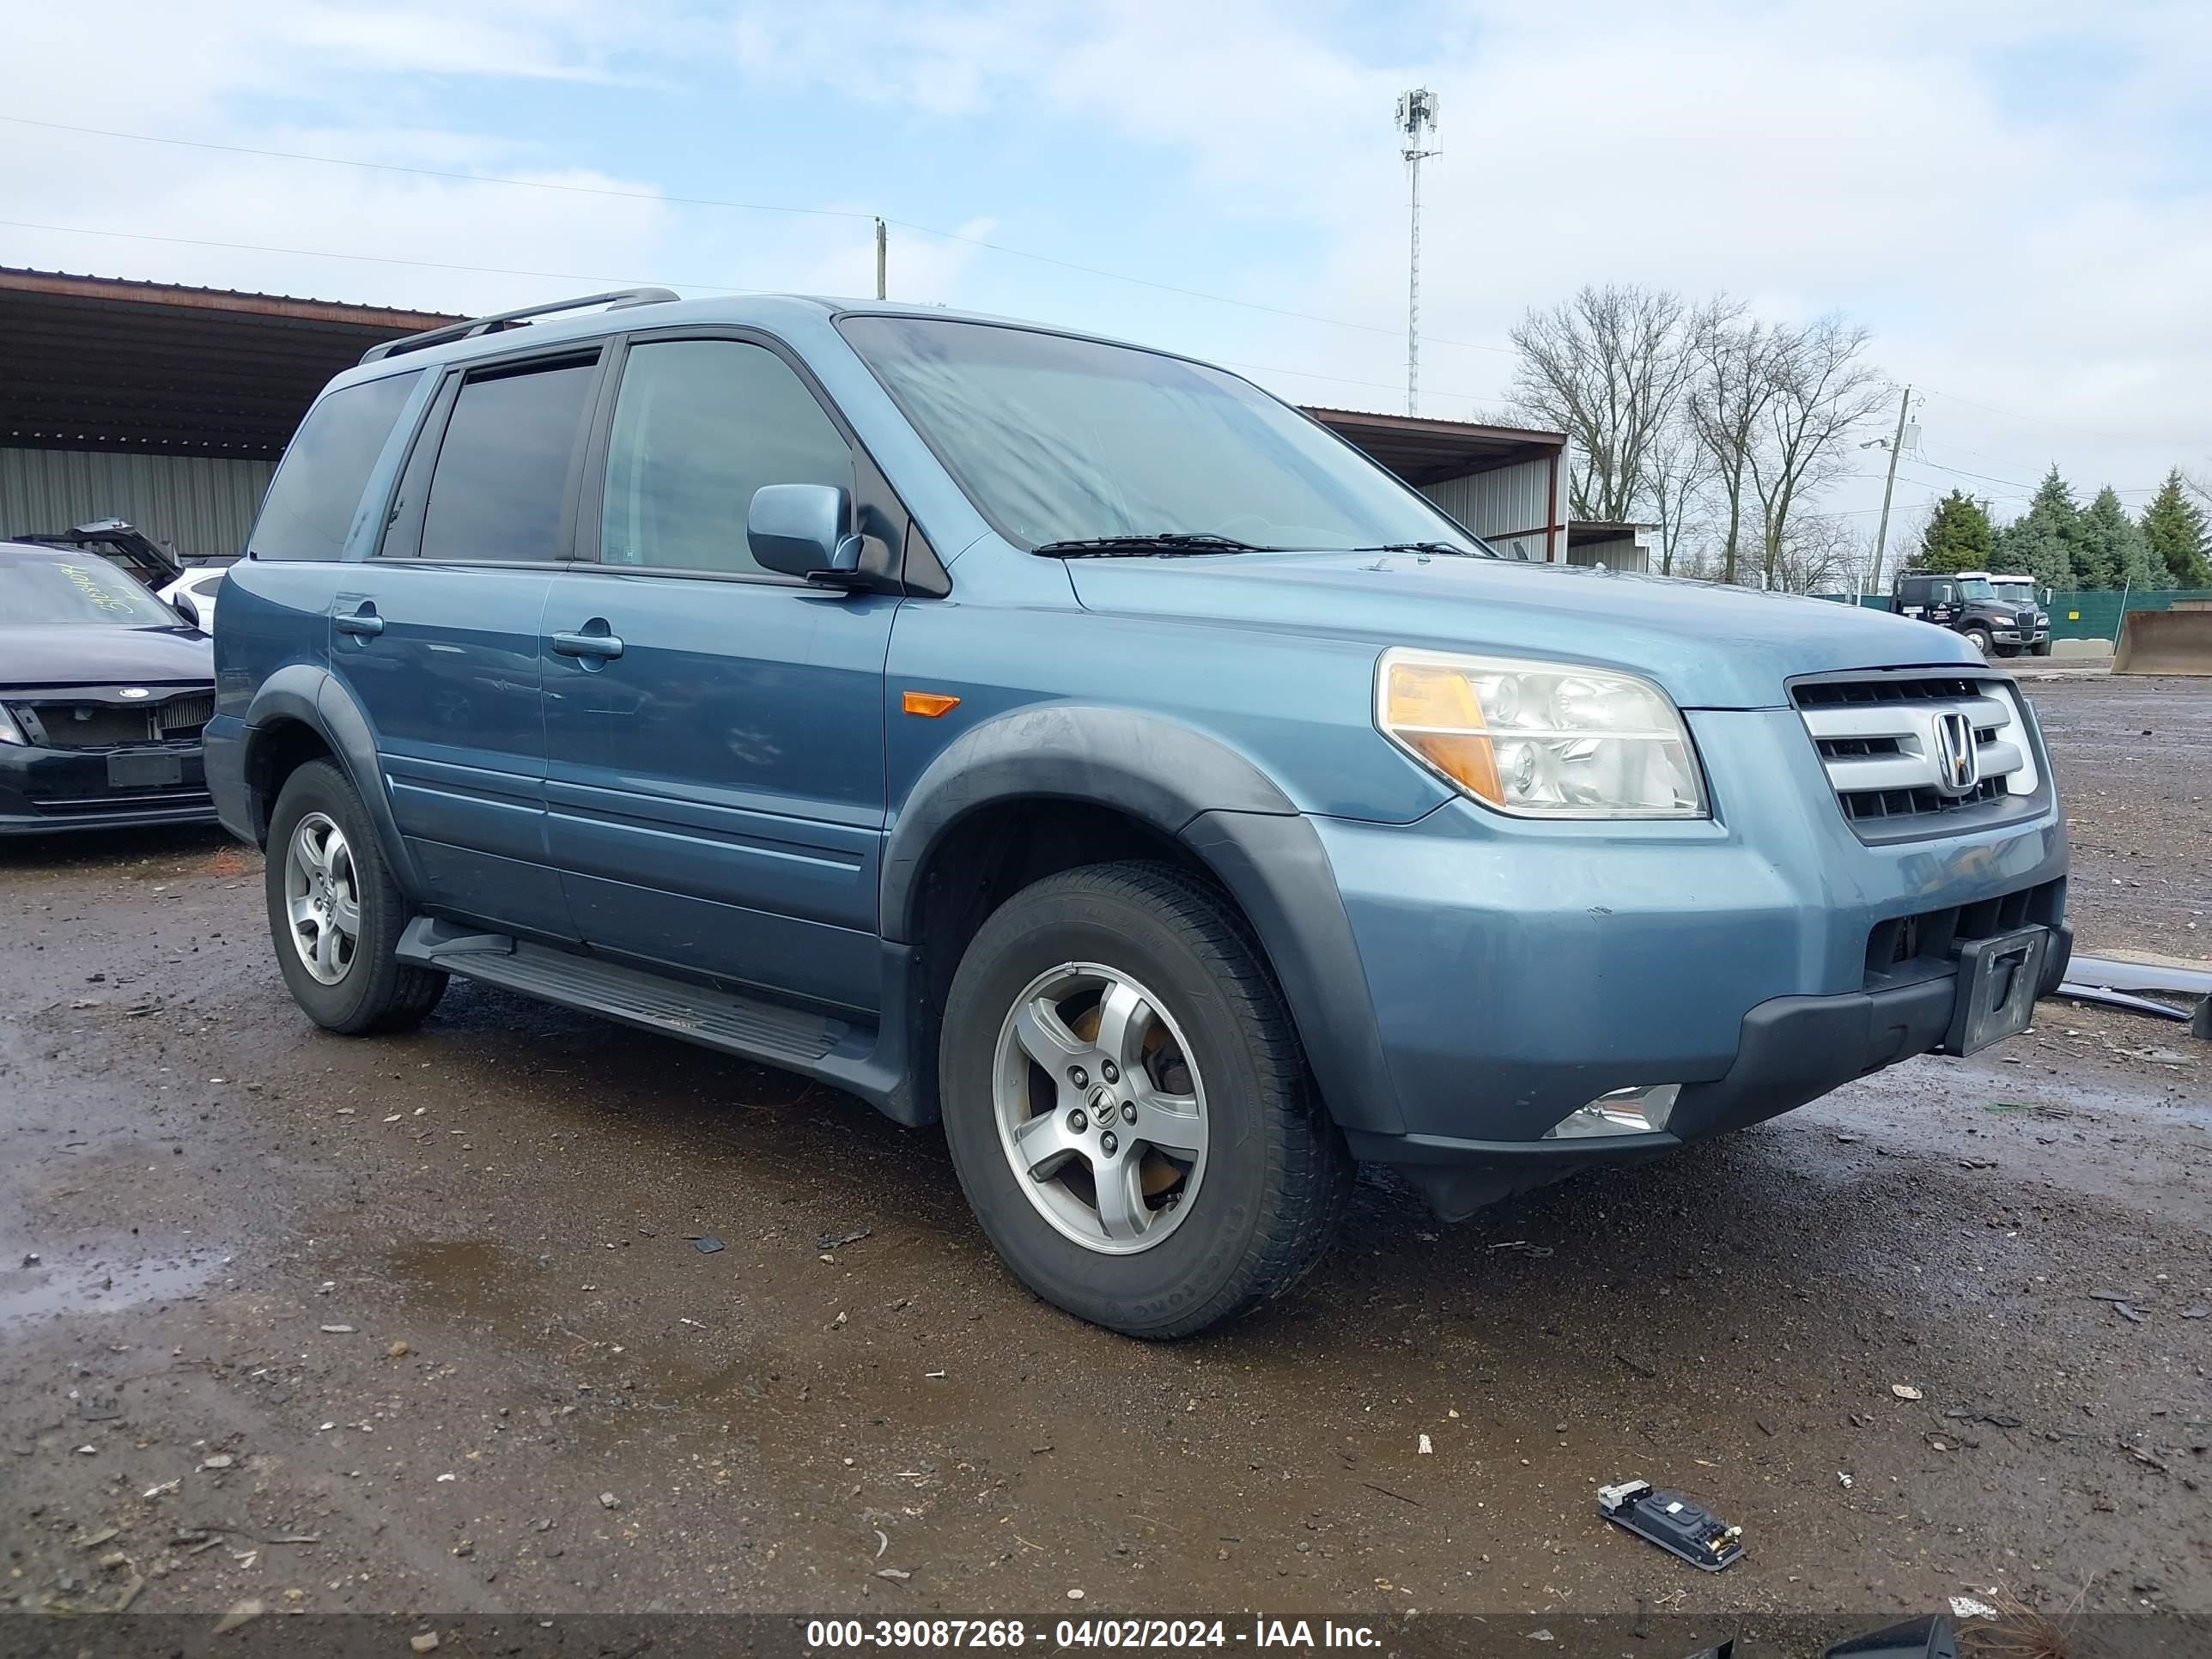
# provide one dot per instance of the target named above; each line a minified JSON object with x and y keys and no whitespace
{"x":1231,"y":1178}
{"x":335,"y":914}
{"x":2041,"y":648}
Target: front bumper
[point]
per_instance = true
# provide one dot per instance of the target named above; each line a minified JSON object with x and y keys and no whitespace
{"x":46,"y":792}
{"x":1463,"y":982}
{"x":1789,"y":1050}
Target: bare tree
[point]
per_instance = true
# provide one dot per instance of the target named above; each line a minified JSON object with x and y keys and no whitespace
{"x":1676,"y":474}
{"x":1822,"y":391}
{"x":1732,"y":385}
{"x":1608,"y":368}
{"x":1821,"y":553}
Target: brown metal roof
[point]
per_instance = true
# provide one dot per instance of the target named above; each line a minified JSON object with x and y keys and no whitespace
{"x":96,"y":362}
{"x":1424,"y":451}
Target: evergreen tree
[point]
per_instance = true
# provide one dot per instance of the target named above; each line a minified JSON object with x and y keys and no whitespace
{"x":2175,"y":528}
{"x":1959,"y":536}
{"x":2110,"y":548}
{"x":2041,"y":540}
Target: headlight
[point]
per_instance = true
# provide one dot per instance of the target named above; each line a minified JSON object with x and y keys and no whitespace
{"x":9,"y":732}
{"x":1540,"y":739}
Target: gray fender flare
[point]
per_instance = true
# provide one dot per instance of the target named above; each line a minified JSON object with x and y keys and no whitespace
{"x":1234,"y":819}
{"x":305,"y":693}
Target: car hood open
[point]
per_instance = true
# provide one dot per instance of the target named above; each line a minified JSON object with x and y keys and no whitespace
{"x":86,"y":653}
{"x":1709,"y":646}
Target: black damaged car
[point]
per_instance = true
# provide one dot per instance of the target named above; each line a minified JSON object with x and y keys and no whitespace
{"x":103,"y":691}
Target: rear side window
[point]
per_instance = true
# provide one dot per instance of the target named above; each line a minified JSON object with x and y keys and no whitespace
{"x":699,"y":426}
{"x":501,"y":481}
{"x":311,"y":505}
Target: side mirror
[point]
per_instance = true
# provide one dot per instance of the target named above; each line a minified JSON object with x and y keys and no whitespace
{"x":191,"y":612}
{"x":803,"y":530}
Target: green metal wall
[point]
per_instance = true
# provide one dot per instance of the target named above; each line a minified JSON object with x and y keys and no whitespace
{"x":2090,"y":616}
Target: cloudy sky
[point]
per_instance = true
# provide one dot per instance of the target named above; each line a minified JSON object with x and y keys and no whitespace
{"x":2013,"y":195}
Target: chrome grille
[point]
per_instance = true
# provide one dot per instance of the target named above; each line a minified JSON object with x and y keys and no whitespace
{"x":1917,"y":747}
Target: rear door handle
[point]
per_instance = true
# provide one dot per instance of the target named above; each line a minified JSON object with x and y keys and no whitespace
{"x":605,"y":647}
{"x":364,"y":623}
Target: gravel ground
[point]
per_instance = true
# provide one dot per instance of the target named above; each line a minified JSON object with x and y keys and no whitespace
{"x":422,"y":1325}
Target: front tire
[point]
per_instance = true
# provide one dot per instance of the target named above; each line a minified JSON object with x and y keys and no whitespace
{"x":1981,"y":639}
{"x":1128,"y":1107}
{"x":335,"y":913}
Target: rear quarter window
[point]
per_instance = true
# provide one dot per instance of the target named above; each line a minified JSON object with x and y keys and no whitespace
{"x":311,"y":505}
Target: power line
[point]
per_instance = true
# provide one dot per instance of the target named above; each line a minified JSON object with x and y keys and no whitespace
{"x":743,"y":207}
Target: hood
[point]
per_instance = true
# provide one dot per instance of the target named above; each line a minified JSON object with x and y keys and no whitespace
{"x":85,"y":653}
{"x":1708,"y":646}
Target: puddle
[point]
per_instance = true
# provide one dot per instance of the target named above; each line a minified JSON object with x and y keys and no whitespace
{"x":471,"y":1276}
{"x":59,"y":1289}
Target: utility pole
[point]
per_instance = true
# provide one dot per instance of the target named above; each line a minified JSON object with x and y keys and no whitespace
{"x":883,"y":260}
{"x":1417,"y":125}
{"x":1889,"y":486}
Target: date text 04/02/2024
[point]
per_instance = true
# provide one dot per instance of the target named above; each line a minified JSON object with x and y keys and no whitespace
{"x":1292,"y":1634}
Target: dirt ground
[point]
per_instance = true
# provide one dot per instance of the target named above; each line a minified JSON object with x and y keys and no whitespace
{"x":425,"y":1325}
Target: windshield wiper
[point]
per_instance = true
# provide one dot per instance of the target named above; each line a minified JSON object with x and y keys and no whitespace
{"x":1166,"y":543}
{"x":1455,"y":551}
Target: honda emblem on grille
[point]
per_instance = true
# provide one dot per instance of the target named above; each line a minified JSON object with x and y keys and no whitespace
{"x":135,"y":692}
{"x":1957,"y":761}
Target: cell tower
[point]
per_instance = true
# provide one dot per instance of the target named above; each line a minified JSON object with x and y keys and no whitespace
{"x":1416,"y":129}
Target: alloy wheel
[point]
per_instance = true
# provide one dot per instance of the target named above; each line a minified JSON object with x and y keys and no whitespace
{"x":1100,"y":1107}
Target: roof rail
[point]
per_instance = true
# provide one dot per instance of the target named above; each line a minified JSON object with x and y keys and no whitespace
{"x":614,"y":299}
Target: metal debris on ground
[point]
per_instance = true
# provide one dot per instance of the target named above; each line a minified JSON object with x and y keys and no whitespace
{"x":704,"y":1245}
{"x":839,"y":1241}
{"x":1673,"y":1522}
{"x":1905,"y":1391}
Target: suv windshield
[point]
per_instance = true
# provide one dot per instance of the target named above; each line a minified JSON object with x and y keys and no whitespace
{"x":1978,"y":589}
{"x":38,"y":589}
{"x":1058,"y":440}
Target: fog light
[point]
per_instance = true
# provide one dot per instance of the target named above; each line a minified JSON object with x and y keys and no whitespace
{"x":1623,"y":1112}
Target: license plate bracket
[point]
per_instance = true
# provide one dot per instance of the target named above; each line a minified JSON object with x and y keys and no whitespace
{"x":144,"y":771}
{"x":1997,"y":981}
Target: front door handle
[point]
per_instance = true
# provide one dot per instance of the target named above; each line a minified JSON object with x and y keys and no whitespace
{"x":605,"y":647}
{"x":364,"y":623}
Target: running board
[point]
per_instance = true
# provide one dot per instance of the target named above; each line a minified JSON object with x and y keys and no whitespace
{"x":849,"y":1054}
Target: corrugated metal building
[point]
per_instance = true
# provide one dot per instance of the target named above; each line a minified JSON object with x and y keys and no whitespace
{"x":1504,"y":483}
{"x":169,"y":406}
{"x":163,"y":406}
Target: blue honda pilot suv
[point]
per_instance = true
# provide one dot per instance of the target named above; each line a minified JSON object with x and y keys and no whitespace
{"x":1073,"y":744}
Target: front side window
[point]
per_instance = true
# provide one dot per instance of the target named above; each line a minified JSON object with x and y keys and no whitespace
{"x":699,"y":426}
{"x":1061,"y":439}
{"x":503,"y":469}
{"x":310,"y":505}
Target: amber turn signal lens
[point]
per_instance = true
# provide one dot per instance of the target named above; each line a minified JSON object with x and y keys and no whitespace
{"x":1433,"y":711}
{"x":928,"y":704}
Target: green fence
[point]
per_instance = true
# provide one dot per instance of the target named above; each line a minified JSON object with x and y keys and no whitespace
{"x":2088,"y":616}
